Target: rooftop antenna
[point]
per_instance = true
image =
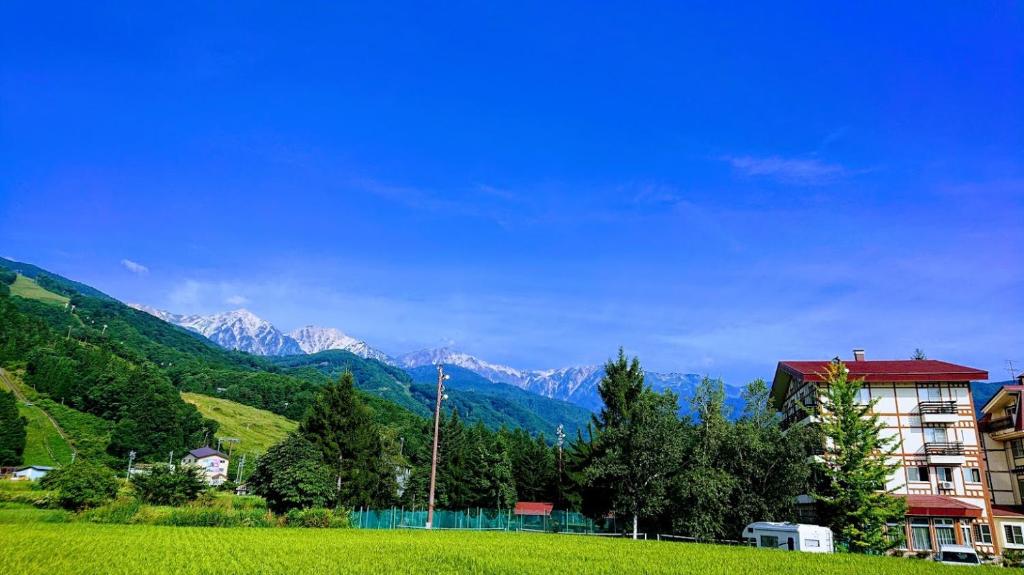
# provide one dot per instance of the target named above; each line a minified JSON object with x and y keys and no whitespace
{"x":1011,"y":369}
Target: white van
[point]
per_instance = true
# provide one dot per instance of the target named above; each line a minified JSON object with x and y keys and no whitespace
{"x":789,"y":536}
{"x":957,"y":555}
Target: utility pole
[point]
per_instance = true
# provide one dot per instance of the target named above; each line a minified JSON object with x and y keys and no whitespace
{"x":560,"y":433}
{"x":131,"y":458}
{"x":170,"y":459}
{"x":437,"y":426}
{"x":104,"y":329}
{"x":241,"y":466}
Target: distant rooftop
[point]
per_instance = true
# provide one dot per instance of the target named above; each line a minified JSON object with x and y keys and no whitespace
{"x":887,"y":370}
{"x":206,"y":452}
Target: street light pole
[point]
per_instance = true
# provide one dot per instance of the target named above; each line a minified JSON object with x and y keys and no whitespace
{"x":433,"y":463}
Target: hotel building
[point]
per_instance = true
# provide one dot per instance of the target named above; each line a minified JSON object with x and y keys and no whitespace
{"x":927,"y":406}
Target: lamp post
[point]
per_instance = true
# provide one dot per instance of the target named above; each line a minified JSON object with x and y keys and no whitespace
{"x":441,"y":376}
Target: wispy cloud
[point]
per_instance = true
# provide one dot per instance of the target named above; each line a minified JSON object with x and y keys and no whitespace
{"x":804,"y":171}
{"x":236,"y":300}
{"x":134,"y":267}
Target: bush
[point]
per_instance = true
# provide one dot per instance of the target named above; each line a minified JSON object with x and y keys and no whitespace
{"x":82,"y":485}
{"x":120,"y":511}
{"x":291,"y":475}
{"x":318,"y":517}
{"x":1013,"y":558}
{"x":164,"y":485}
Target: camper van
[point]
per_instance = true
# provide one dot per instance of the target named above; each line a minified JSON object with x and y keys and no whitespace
{"x":789,"y":536}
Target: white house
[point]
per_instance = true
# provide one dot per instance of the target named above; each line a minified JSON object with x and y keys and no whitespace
{"x":790,"y":536}
{"x":213,"y":464}
{"x":32,"y":472}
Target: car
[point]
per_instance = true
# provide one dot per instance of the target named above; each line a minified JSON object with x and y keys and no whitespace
{"x":957,"y":555}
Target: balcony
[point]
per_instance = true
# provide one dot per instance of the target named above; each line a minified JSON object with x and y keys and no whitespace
{"x":800,"y":412}
{"x":945,"y":453}
{"x":938,"y":412}
{"x":1003,"y":429}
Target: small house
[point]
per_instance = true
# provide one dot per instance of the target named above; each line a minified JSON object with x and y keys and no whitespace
{"x":32,"y":472}
{"x":789,"y":536}
{"x":212,"y":463}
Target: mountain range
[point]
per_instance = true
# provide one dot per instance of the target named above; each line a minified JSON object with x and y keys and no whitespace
{"x":244,"y":331}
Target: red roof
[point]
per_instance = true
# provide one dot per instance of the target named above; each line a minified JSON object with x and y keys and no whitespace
{"x":1007,"y":511}
{"x":887,"y":370}
{"x":533,"y":508}
{"x":940,"y":506}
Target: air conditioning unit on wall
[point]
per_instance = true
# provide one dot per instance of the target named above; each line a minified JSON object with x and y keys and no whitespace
{"x":946,"y":485}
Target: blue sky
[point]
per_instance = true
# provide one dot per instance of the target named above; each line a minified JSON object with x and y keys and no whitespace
{"x":714,"y":189}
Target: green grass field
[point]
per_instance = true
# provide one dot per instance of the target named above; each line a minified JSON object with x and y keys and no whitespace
{"x":43,"y":445}
{"x":29,"y":289}
{"x":34,"y":547}
{"x":257,"y":429}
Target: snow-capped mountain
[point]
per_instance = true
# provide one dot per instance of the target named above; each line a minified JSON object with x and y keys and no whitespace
{"x":313,"y":339}
{"x":239,"y":329}
{"x":245,"y":331}
{"x":493,"y":372}
{"x":576,"y":385}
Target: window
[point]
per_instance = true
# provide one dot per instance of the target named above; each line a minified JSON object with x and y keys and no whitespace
{"x":984,"y":533}
{"x":965,"y":534}
{"x":812,"y":543}
{"x":920,"y":537}
{"x":933,"y":394}
{"x":944,"y":532}
{"x":944,"y":473}
{"x":770,"y":541}
{"x":1014,"y":534}
{"x":917,"y":473}
{"x":935,"y":435}
{"x":972,"y":475}
{"x":1017,"y":445}
{"x":864,"y":395}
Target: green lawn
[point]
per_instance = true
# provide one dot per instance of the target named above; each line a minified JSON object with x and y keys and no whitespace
{"x":257,"y":429}
{"x":29,"y":289}
{"x":82,"y":548}
{"x":43,"y":446}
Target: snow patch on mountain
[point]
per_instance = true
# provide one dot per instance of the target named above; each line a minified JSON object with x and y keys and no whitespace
{"x":314,"y":339}
{"x":240,"y":329}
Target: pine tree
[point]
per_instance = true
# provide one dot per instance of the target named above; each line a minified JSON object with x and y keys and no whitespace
{"x":638,"y":447}
{"x":12,"y":431}
{"x":342,"y":427}
{"x":856,"y":466}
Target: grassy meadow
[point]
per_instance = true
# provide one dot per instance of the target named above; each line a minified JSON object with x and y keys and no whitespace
{"x":256,"y":429}
{"x":43,"y":444}
{"x":29,"y":289}
{"x":35,"y":542}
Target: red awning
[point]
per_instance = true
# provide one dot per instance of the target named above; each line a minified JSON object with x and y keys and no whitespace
{"x":1007,"y":511}
{"x":533,"y":508}
{"x":940,"y":506}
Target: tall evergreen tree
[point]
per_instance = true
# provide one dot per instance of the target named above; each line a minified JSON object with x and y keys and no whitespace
{"x":12,"y":431}
{"x":342,"y":427}
{"x":856,"y":466}
{"x":638,"y":448}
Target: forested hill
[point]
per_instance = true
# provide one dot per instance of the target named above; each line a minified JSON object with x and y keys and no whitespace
{"x":102,"y":357}
{"x":497,"y":404}
{"x":477,"y":399}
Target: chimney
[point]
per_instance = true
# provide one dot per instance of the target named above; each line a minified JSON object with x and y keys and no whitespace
{"x":858,"y":355}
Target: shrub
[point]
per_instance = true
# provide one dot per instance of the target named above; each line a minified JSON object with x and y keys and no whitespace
{"x":318,"y":517}
{"x":1013,"y":557}
{"x":164,"y":485}
{"x":119,"y":511}
{"x":291,"y":475}
{"x":82,"y":485}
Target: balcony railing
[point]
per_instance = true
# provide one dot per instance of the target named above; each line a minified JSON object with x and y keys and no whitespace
{"x":799,"y":412}
{"x":937,"y":407}
{"x":999,"y":424}
{"x":944,"y":448}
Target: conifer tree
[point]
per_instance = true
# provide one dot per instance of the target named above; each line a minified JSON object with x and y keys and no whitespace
{"x":856,"y":466}
{"x":342,"y":428}
{"x":638,"y":447}
{"x":12,"y":431}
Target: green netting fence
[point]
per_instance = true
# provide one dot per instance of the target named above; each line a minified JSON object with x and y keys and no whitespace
{"x":559,"y":521}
